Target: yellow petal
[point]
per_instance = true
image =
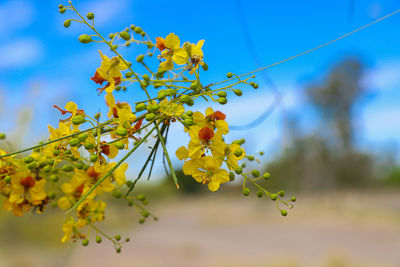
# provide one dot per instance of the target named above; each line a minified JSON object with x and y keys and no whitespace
{"x":180,"y":56}
{"x":172,"y":41}
{"x":182,"y":153}
{"x":63,"y":203}
{"x":166,"y":65}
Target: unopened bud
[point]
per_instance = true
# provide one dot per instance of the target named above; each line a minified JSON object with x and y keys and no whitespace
{"x":140,"y":58}
{"x":78,"y":119}
{"x":67,"y":23}
{"x":85,"y":39}
{"x":90,"y":16}
{"x":246,"y":191}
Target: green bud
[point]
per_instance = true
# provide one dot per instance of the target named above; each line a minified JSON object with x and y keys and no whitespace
{"x":114,"y":47}
{"x":150,"y":54}
{"x":231,"y":176}
{"x":7,"y":179}
{"x":118,"y":237}
{"x":238,"y":170}
{"x":90,"y":16}
{"x":132,"y":27}
{"x":83,"y":136}
{"x":188,"y":122}
{"x":274,"y":197}
{"x":119,"y":145}
{"x":79,"y":166}
{"x":281,"y":193}
{"x":141,"y":220}
{"x":125,"y":35}
{"x":85,"y":242}
{"x":121,"y":131}
{"x":255,"y":86}
{"x":116,"y":194}
{"x":185,"y":98}
{"x":97,"y":116}
{"x":222,"y":100}
{"x":140,"y":107}
{"x":111,"y":35}
{"x":129,"y":183}
{"x":222,"y":94}
{"x":2,"y":136}
{"x":129,"y":74}
{"x":74,"y":142}
{"x":238,"y":152}
{"x":89,"y":145}
{"x":67,"y":23}
{"x":190,"y":102}
{"x":28,"y":160}
{"x":60,"y":6}
{"x":190,"y":113}
{"x":118,"y":250}
{"x":78,"y":119}
{"x":260,"y":194}
{"x":205,"y":67}
{"x":140,"y":58}
{"x":266,"y":175}
{"x":141,"y":197}
{"x":47,"y":168}
{"x":246,"y":191}
{"x":56,"y":152}
{"x":98,"y":239}
{"x":62,"y":10}
{"x":283,"y":212}
{"x":150,"y":117}
{"x":161,"y":95}
{"x":255,"y":173}
{"x":153,"y":107}
{"x":196,"y":86}
{"x":138,"y":30}
{"x":127,"y":239}
{"x":53,"y":178}
{"x":229,"y":75}
{"x":145,"y":213}
{"x":130,"y":203}
{"x":146,"y":77}
{"x":51,"y":195}
{"x":85,"y":39}
{"x":67,"y":168}
{"x":143,"y":34}
{"x":251,"y":158}
{"x":238,"y":92}
{"x":293,"y":199}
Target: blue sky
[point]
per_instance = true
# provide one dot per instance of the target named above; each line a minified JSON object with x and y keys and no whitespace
{"x":42,"y":63}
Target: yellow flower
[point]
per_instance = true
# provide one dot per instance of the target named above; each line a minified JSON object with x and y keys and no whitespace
{"x":173,"y":53}
{"x":204,"y":139}
{"x":120,"y":111}
{"x":233,"y":154}
{"x":207,"y":170}
{"x":212,"y":119}
{"x":171,"y":109}
{"x":110,"y":71}
{"x":67,"y":228}
{"x":196,"y":56}
{"x":25,"y":187}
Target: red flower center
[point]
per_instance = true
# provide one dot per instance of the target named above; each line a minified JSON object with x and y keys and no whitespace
{"x":206,"y":133}
{"x":217,"y":115}
{"x":27,"y":182}
{"x":92,"y":173}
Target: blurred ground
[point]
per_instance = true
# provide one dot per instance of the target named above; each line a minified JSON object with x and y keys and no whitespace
{"x":333,"y":230}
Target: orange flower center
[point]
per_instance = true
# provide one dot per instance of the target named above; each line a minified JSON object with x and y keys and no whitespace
{"x":217,"y":115}
{"x":27,"y":182}
{"x":92,"y":173}
{"x":206,"y":133}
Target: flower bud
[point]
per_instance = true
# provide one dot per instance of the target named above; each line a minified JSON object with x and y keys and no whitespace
{"x":255,"y":85}
{"x":67,"y":23}
{"x":116,"y":194}
{"x":119,"y":145}
{"x":153,"y":107}
{"x":121,"y":131}
{"x":238,"y":152}
{"x":89,"y":145}
{"x":140,"y":58}
{"x":185,"y":98}
{"x":2,"y":136}
{"x":78,"y":119}
{"x":141,"y":197}
{"x":85,"y":39}
{"x":98,"y":239}
{"x":67,"y":168}
{"x":145,"y":213}
{"x":118,"y":250}
{"x":62,"y":10}
{"x":141,"y":220}
{"x":255,"y":173}
{"x":140,"y":107}
{"x":93,"y":158}
{"x":161,"y":95}
{"x":293,"y":199}
{"x":111,"y":35}
{"x":260,"y":194}
{"x":53,"y":178}
{"x":274,"y":197}
{"x":190,"y":102}
{"x":56,"y":152}
{"x":246,"y":191}
{"x":283,"y":212}
{"x":229,"y":75}
{"x":74,"y":142}
{"x":238,"y":92}
{"x":28,"y":160}
{"x":188,"y":122}
{"x":127,"y":239}
{"x":7,"y":179}
{"x":196,"y":86}
{"x":222,"y":100}
{"x":130,"y":203}
{"x":222,"y":94}
{"x":118,"y":237}
{"x":138,"y":30}
{"x":251,"y":158}
{"x":125,"y":35}
{"x":281,"y":193}
{"x":205,"y":67}
{"x":90,"y":16}
{"x":231,"y":176}
{"x":170,"y":92}
{"x":97,"y":115}
{"x":266,"y":175}
{"x":85,"y":242}
{"x":238,"y":170}
{"x":146,"y":77}
{"x":150,"y":117}
{"x":47,"y":168}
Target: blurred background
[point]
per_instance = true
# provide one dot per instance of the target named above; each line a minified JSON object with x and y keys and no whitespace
{"x":328,"y":123}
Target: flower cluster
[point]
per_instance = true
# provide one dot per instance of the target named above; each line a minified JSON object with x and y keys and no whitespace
{"x":76,"y":166}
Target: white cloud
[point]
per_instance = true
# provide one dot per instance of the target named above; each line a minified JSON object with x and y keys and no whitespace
{"x":384,"y":77}
{"x":106,"y":10}
{"x":20,"y":53}
{"x":14,"y":15}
